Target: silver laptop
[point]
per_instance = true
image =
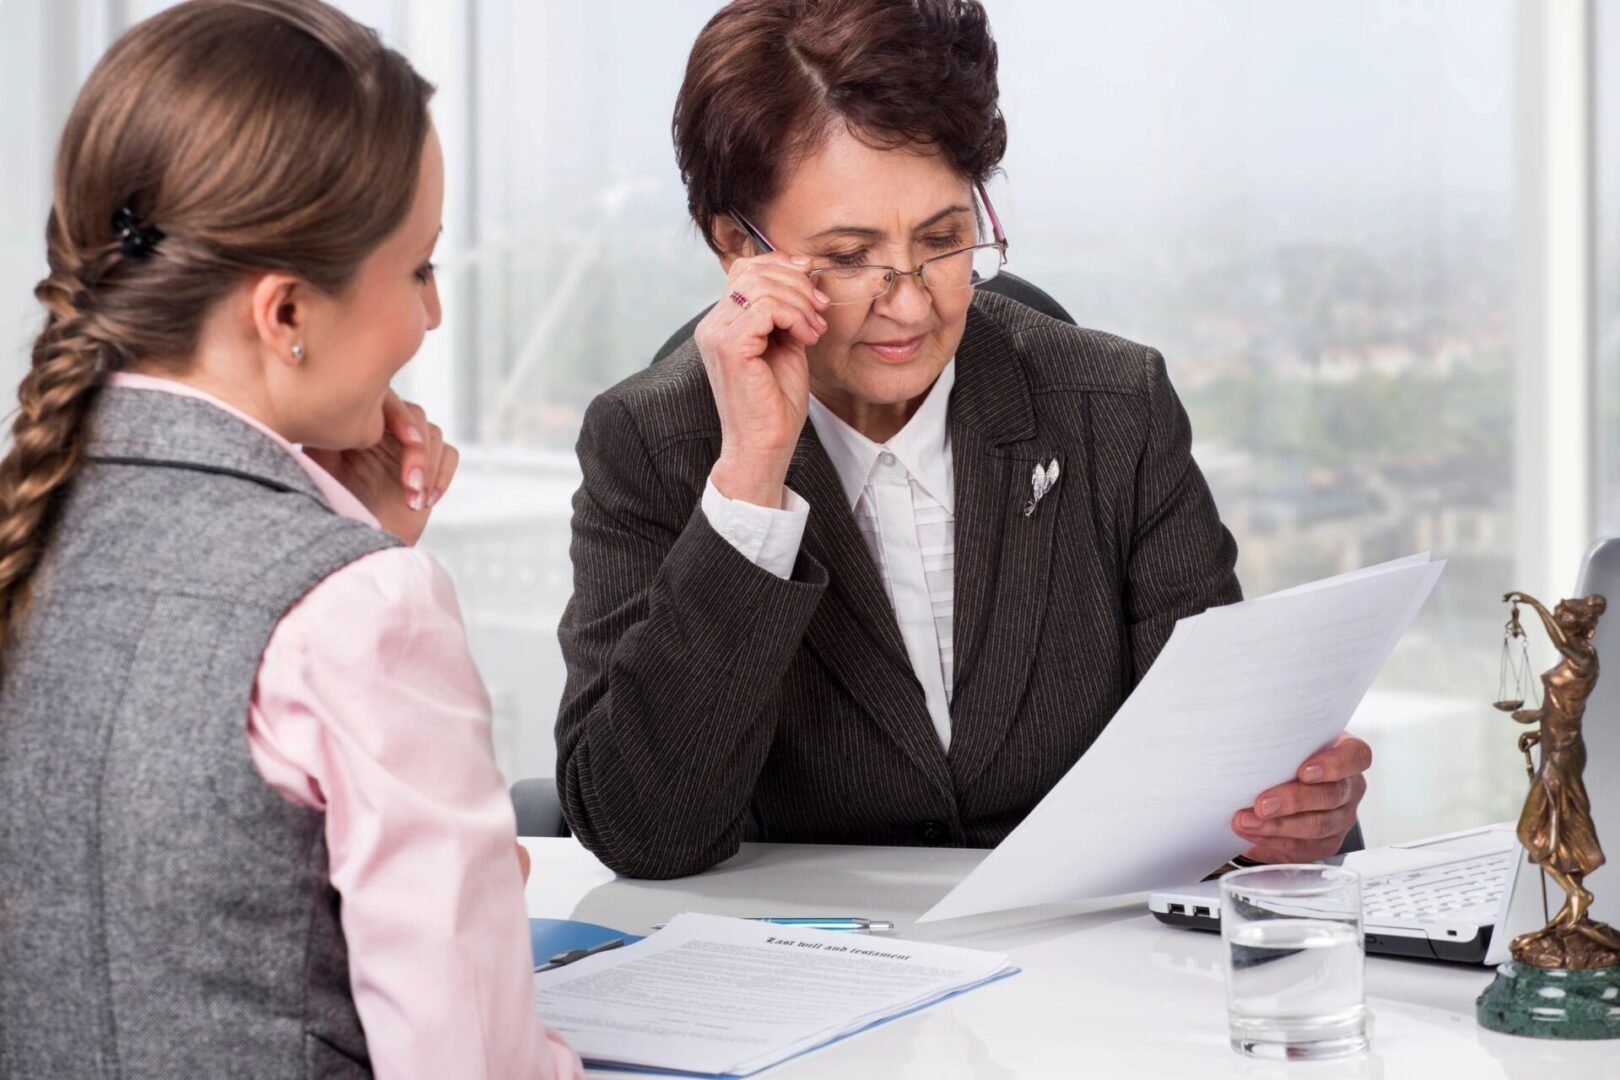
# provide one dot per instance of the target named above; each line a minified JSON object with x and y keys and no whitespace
{"x":1465,"y":896}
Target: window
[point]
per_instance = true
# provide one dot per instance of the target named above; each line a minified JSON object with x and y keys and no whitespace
{"x":1606,"y":148}
{"x":1309,"y":209}
{"x":30,"y":122}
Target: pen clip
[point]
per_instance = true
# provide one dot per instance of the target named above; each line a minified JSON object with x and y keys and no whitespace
{"x":564,"y":958}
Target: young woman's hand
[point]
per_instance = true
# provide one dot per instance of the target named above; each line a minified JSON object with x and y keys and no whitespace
{"x":753,"y":345}
{"x":403,"y":477}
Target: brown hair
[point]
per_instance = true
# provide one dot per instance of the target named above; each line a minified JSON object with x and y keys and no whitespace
{"x":768,"y":78}
{"x":255,"y":135}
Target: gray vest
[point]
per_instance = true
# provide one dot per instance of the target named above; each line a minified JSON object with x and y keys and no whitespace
{"x":163,"y":911}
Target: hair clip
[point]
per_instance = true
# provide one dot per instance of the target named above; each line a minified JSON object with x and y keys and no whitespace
{"x":137,"y":240}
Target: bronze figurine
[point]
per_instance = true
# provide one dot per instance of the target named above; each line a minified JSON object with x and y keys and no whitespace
{"x":1556,"y":826}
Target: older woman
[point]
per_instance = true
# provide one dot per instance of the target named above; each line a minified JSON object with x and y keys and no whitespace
{"x":875,"y":556}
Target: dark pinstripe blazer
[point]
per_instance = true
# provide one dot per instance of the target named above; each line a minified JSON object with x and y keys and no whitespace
{"x":710,"y":702}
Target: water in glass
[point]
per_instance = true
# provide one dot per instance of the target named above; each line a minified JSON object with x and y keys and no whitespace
{"x":1296,"y":983}
{"x":1294,"y":963}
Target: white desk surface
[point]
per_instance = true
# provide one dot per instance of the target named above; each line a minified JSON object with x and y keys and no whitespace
{"x":1106,"y":991}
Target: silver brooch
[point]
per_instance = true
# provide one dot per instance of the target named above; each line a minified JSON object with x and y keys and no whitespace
{"x":1040,"y":482}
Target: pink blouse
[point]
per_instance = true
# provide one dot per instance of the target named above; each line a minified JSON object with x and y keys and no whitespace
{"x":368,"y":706}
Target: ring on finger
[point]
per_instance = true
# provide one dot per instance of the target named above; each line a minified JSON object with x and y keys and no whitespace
{"x":740,"y":300}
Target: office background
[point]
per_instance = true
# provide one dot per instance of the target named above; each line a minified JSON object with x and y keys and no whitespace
{"x":1378,"y":242}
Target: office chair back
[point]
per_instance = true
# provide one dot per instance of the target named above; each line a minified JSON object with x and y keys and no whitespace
{"x":538,"y":809}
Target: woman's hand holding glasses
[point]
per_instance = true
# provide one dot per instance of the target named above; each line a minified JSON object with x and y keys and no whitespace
{"x":753,"y":345}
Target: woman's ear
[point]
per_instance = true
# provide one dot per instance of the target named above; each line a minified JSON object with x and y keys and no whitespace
{"x":734,"y":243}
{"x":279,"y":307}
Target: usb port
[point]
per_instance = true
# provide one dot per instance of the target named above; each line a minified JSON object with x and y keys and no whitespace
{"x":1201,"y":912}
{"x":1178,"y":909}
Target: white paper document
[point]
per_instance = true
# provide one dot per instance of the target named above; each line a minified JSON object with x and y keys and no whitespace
{"x":1239,"y":696}
{"x":728,"y":997}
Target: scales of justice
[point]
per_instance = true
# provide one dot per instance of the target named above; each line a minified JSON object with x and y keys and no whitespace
{"x":1564,"y":979}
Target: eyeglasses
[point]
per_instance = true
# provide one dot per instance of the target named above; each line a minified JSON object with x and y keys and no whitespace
{"x":963,"y":268}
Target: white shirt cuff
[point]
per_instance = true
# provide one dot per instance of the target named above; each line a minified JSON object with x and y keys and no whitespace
{"x":767,"y":538}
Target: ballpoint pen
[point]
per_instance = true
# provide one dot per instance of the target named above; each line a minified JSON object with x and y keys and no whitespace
{"x":823,"y":922}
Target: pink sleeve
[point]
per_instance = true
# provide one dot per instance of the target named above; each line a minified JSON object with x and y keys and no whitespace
{"x":368,"y":705}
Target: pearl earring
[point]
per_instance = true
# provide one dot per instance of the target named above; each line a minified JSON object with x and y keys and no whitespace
{"x":298,"y":352}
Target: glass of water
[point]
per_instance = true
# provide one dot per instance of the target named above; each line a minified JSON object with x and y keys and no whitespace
{"x":1294,"y":961}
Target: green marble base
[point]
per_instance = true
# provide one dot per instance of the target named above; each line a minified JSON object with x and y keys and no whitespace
{"x":1552,"y":1003}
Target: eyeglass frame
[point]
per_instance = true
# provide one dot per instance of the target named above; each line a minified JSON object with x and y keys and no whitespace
{"x":893,"y":273}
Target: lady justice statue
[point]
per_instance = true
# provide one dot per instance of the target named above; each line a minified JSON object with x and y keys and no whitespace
{"x":1556,"y":825}
{"x":1572,"y":952}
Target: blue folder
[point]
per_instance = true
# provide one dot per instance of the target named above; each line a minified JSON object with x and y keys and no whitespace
{"x":548,"y":937}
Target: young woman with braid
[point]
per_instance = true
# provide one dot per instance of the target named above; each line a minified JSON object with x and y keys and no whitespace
{"x":250,"y":824}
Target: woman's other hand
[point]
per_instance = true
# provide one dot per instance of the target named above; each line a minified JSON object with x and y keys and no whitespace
{"x":403,"y":477}
{"x":1308,"y":818}
{"x":754,"y":353}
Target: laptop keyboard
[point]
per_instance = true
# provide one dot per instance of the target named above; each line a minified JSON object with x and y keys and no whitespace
{"x":1434,"y":891}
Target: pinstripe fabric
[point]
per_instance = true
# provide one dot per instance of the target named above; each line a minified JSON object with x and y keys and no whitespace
{"x":710,"y":702}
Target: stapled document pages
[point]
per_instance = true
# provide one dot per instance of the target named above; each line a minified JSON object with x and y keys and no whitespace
{"x":728,"y":997}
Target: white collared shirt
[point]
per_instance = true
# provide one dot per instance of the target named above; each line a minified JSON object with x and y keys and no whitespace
{"x":903,"y":496}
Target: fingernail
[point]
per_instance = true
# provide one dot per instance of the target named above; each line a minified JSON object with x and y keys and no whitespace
{"x":1248,"y":820}
{"x":413,"y":436}
{"x":416,"y":502}
{"x":433,"y":499}
{"x":801,"y":260}
{"x":821,"y":322}
{"x":1268,"y":806}
{"x":823,"y":297}
{"x":1311,"y":773}
{"x":415,"y":481}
